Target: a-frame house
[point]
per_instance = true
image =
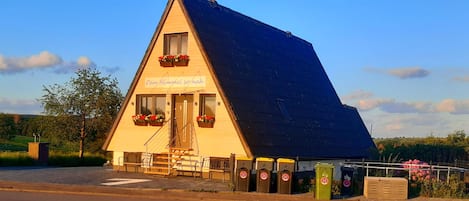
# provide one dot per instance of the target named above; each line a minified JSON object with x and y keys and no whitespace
{"x":214,"y":82}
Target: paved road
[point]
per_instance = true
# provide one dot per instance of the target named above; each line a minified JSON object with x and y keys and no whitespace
{"x":41,"y":196}
{"x":86,"y":183}
{"x":96,"y":176}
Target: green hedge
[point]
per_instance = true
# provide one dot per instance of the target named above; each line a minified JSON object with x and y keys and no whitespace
{"x":55,"y":159}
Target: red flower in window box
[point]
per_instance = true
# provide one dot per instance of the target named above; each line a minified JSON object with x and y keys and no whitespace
{"x":166,"y":60}
{"x":205,"y":121}
{"x":181,"y":60}
{"x":140,"y":120}
{"x":155,"y":119}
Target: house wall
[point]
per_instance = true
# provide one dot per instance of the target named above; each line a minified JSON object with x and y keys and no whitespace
{"x":222,"y":140}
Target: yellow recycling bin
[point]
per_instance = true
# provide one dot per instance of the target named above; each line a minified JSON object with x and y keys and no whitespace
{"x":243,"y":172}
{"x":285,"y":168}
{"x":324,"y":180}
{"x":264,"y":167}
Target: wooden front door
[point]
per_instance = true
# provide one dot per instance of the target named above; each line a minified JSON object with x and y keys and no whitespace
{"x":182,"y":118}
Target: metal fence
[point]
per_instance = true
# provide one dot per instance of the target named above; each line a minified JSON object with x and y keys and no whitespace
{"x":439,"y":172}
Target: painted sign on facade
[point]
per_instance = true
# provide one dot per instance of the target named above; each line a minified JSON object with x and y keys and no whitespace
{"x":175,"y":82}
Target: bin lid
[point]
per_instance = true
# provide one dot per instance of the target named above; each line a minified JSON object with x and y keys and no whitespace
{"x":263,"y":159}
{"x":243,"y":158}
{"x":285,"y":160}
{"x":324,"y":165}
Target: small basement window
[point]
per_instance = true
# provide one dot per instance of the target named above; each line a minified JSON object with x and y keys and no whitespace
{"x":283,"y":109}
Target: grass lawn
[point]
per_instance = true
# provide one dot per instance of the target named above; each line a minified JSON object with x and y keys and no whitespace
{"x":18,"y":143}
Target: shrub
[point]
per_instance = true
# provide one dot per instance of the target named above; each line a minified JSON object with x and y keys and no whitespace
{"x":15,"y":159}
{"x":436,"y":188}
{"x":73,"y":160}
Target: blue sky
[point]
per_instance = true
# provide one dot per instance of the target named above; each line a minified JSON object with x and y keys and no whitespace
{"x":403,"y":64}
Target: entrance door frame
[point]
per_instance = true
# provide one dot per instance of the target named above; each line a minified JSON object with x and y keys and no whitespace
{"x":182,"y":116}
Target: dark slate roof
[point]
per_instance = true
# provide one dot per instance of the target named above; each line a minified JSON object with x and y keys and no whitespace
{"x":258,"y":66}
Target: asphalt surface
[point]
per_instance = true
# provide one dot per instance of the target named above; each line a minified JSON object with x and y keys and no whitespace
{"x":101,"y":180}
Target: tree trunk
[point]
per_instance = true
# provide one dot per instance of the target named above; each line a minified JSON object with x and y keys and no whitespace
{"x":82,"y":136}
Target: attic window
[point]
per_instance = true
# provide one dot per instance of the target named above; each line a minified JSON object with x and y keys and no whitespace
{"x":283,"y":109}
{"x":175,"y":44}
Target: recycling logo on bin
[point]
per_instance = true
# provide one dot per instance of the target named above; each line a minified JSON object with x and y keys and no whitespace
{"x":243,"y":174}
{"x":285,"y":176}
{"x":264,"y":175}
{"x":346,"y":181}
{"x":324,"y":179}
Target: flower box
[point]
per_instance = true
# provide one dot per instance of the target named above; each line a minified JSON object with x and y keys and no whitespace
{"x":181,"y":60}
{"x":140,"y":120}
{"x":208,"y":124}
{"x":156,"y":123}
{"x":166,"y":64}
{"x":140,"y":123}
{"x":205,"y":121}
{"x":155,"y":119}
{"x":181,"y":63}
{"x":166,"y":60}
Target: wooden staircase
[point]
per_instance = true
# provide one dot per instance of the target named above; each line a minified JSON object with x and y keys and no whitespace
{"x":168,"y":163}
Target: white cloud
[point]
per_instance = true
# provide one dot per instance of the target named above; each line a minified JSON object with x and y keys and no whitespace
{"x":44,"y":59}
{"x":369,"y":104}
{"x":412,"y":72}
{"x":360,"y":94}
{"x":84,"y":61}
{"x":20,"y":106}
{"x":81,"y":63}
{"x":458,"y":79}
{"x":453,"y":106}
{"x":401,"y":73}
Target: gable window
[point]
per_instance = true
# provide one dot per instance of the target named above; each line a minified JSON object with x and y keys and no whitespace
{"x":175,"y":44}
{"x":207,"y":105}
{"x":150,"y":104}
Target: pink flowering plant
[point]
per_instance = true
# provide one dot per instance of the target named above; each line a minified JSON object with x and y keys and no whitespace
{"x":418,"y":170}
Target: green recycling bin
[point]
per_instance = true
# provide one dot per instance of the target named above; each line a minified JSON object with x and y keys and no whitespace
{"x":243,"y":173}
{"x":324,"y":179}
{"x":264,"y":167}
{"x":285,"y":169}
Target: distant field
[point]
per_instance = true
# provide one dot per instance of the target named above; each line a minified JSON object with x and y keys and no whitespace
{"x":18,"y":143}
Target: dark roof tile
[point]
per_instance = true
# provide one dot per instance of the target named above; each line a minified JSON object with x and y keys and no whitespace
{"x":256,"y":65}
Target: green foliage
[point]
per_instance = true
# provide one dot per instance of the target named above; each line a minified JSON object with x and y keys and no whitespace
{"x":17,"y":143}
{"x":15,"y":159}
{"x":441,"y":189}
{"x":55,"y":159}
{"x":431,"y":149}
{"x":82,"y":110}
{"x":73,"y":160}
{"x":8,"y":127}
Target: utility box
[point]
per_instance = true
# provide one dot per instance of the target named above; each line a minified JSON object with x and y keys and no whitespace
{"x":381,"y":188}
{"x":39,"y":151}
{"x":243,"y":173}
{"x":346,"y":179}
{"x":285,"y":169}
{"x":324,"y":179}
{"x":264,"y":167}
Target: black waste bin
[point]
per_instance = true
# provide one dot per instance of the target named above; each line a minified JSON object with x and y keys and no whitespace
{"x":264,"y":167}
{"x":285,"y":169}
{"x":243,"y":173}
{"x":346,"y":179}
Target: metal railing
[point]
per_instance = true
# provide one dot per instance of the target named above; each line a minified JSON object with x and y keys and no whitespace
{"x":162,"y":139}
{"x":390,"y":168}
